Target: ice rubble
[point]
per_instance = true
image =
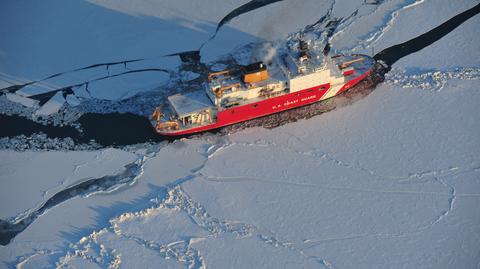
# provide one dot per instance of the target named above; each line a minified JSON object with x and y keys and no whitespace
{"x":432,"y":80}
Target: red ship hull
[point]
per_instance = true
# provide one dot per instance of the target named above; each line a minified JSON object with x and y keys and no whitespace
{"x":266,"y":107}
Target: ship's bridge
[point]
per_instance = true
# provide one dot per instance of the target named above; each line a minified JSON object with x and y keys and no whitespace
{"x":244,"y":84}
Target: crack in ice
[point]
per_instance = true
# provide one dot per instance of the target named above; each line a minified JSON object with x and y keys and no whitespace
{"x":9,"y":229}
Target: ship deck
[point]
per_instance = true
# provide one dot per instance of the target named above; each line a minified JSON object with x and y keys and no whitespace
{"x":189,"y":103}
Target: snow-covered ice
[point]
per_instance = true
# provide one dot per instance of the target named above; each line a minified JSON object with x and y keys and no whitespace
{"x":25,"y":101}
{"x":390,"y":181}
{"x":52,"y":105}
{"x":27,"y":184}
